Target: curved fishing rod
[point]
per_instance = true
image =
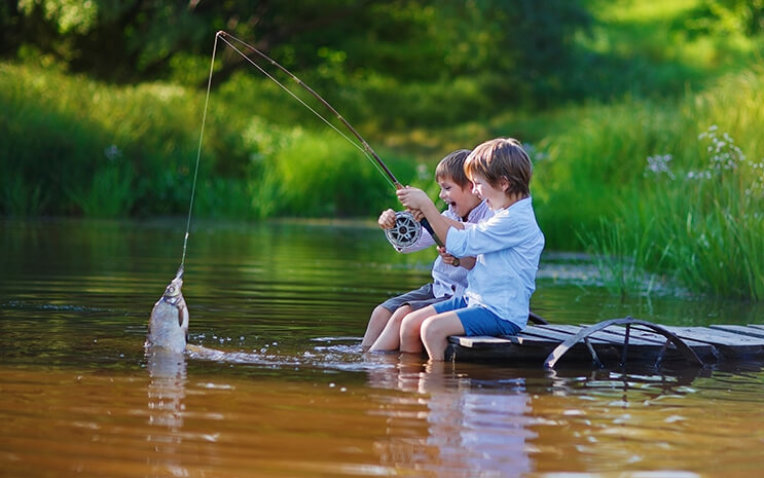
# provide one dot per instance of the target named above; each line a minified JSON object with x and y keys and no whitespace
{"x":404,"y":221}
{"x":223,"y":35}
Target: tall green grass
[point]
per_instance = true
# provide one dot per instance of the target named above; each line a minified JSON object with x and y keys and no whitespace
{"x":73,"y":146}
{"x":712,"y":219}
{"x":671,"y":190}
{"x":106,"y":151}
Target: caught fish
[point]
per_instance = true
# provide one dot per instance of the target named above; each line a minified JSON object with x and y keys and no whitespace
{"x":168,"y":325}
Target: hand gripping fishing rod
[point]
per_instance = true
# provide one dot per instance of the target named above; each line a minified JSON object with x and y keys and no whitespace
{"x":406,"y":230}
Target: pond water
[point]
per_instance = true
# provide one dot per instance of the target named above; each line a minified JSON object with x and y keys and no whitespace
{"x":292,"y":394}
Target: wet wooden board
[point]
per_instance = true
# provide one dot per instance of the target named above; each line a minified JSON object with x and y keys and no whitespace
{"x":712,"y":344}
{"x":728,"y":343}
{"x":742,"y":329}
{"x":509,"y":348}
{"x":537,"y":342}
{"x":647,"y":346}
{"x":704,"y":350}
{"x":616,"y":339}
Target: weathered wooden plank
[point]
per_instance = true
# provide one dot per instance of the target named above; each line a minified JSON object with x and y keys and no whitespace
{"x":544,"y":331}
{"x":480,"y":340}
{"x":614,"y":335}
{"x":729,"y":344}
{"x":533,"y":344}
{"x":609,"y":347}
{"x":506,"y":348}
{"x":504,"y":340}
{"x":506,"y":354}
{"x":705,"y":351}
{"x":706,"y":334}
{"x":741,"y":329}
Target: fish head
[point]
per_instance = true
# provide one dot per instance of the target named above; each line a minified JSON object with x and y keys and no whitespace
{"x":172,"y":292}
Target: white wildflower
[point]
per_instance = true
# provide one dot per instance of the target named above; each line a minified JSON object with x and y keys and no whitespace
{"x":659,"y":164}
{"x":112,"y":152}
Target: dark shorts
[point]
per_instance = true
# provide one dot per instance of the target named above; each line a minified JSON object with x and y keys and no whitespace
{"x":416,"y":299}
{"x":477,"y":320}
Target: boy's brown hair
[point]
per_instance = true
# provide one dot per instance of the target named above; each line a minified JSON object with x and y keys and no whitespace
{"x":502,"y":157}
{"x":452,"y":167}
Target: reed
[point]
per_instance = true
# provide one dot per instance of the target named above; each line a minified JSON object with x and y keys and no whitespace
{"x":653,"y":192}
{"x":701,"y":225}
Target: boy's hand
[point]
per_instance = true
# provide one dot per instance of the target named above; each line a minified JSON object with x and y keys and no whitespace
{"x":417,"y":213}
{"x":448,"y":258}
{"x":413,"y":198}
{"x":386,"y":220}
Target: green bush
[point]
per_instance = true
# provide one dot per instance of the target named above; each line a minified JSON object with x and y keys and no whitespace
{"x":319,"y":174}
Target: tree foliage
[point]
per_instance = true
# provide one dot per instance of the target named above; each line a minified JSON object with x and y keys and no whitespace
{"x":519,"y":45}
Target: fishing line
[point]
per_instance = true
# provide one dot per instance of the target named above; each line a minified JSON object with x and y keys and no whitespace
{"x":407,"y":229}
{"x":198,"y":157}
{"x":364,"y":147}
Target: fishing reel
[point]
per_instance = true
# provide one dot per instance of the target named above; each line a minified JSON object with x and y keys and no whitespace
{"x":406,"y":231}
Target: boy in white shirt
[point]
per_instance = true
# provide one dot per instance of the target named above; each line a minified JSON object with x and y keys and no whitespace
{"x":449,"y":274}
{"x":507,"y":245}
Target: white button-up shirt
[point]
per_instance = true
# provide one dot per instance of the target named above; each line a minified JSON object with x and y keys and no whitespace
{"x":508,"y":247}
{"x":448,"y":279}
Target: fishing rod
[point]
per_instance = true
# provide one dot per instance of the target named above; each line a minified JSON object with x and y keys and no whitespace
{"x":407,"y":229}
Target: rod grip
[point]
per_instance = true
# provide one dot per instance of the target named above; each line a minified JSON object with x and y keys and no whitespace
{"x":426,"y":224}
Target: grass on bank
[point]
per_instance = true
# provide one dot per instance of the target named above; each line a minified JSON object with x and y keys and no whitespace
{"x":671,"y":189}
{"x":72,"y":146}
{"x":102,"y":151}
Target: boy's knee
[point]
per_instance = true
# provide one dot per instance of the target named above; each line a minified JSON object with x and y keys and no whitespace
{"x":429,"y":329}
{"x":400,"y":314}
{"x":379,"y":314}
{"x":408,"y":328}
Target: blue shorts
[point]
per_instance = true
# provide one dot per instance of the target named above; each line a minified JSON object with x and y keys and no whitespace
{"x":477,"y":320}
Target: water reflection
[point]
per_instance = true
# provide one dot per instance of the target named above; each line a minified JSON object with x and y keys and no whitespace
{"x":461,"y":419}
{"x":166,"y":392}
{"x":469,"y":428}
{"x":286,"y":391}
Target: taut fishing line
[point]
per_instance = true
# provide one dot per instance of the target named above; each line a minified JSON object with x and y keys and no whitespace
{"x":363,"y":147}
{"x":198,"y":157}
{"x":406,"y":231}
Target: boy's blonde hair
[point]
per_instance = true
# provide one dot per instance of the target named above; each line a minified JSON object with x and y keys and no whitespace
{"x":452,"y":167}
{"x":502,"y":157}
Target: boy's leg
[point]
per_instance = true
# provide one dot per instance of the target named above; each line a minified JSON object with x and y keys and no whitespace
{"x":377,"y":322}
{"x":410,"y":341}
{"x":435,"y":331}
{"x":382,"y":313}
{"x":389,"y":339}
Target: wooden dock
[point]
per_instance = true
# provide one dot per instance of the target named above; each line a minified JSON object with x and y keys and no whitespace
{"x":615,"y":342}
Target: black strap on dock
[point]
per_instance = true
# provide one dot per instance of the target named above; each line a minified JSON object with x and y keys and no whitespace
{"x":584,"y":334}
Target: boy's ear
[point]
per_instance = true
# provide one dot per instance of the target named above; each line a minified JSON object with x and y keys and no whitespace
{"x":504,"y":183}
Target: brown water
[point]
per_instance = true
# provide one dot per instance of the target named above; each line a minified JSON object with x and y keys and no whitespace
{"x":291,"y":394}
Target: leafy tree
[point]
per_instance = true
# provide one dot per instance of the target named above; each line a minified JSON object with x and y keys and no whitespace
{"x":513,"y":41}
{"x":725,"y":16}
